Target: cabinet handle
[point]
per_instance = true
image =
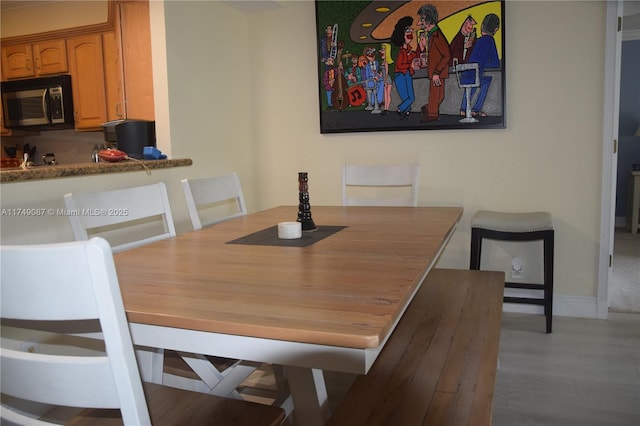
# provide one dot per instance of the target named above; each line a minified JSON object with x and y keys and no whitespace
{"x":118,"y":110}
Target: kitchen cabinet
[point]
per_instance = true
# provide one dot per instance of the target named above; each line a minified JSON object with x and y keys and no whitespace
{"x":111,"y":69}
{"x":136,"y":58}
{"x":114,"y":78}
{"x":46,"y":57}
{"x":3,"y":130}
{"x":86,"y":66}
{"x":128,"y":68}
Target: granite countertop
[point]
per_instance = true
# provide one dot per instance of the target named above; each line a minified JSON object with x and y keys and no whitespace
{"x":10,"y":175}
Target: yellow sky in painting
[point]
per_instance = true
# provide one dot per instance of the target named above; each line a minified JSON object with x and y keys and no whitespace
{"x":451,"y":24}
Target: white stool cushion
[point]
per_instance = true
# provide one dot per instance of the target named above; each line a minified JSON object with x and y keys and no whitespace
{"x":512,"y":222}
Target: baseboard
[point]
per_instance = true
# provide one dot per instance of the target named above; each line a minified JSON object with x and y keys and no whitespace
{"x":563,"y":306}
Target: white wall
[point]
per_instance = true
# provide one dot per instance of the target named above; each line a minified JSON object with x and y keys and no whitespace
{"x":210,"y":89}
{"x":243,"y":96}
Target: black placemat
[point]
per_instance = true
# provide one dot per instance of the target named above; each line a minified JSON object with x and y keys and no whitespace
{"x":269,"y":237}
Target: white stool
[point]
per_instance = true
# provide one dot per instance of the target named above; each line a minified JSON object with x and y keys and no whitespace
{"x":518,"y":227}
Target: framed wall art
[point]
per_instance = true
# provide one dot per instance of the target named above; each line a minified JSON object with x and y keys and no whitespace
{"x":410,"y":65}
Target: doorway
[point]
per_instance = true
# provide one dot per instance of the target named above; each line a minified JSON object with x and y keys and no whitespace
{"x":618,"y":280}
{"x":624,"y":282}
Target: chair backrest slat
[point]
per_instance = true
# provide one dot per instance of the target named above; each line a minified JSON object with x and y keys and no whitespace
{"x":91,"y":212}
{"x":76,"y":375}
{"x":209,"y":191}
{"x":382,"y":177}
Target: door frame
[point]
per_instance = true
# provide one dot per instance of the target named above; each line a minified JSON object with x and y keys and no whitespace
{"x":612,"y":67}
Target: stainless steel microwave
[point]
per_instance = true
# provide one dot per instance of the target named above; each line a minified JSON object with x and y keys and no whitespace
{"x":44,"y":103}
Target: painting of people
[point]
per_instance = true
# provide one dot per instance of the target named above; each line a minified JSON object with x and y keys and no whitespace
{"x":410,"y":65}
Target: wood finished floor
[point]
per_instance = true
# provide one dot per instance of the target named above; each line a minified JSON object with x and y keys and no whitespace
{"x":587,"y":372}
{"x":624,"y":280}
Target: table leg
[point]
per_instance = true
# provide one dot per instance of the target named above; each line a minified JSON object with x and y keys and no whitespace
{"x":150,"y":363}
{"x":219,"y":383}
{"x":310,"y":401}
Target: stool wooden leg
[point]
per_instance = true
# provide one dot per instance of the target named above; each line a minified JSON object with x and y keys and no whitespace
{"x":548,"y":278}
{"x":476,"y":249}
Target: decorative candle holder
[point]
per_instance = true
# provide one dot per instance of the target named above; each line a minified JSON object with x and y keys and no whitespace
{"x":304,"y":207}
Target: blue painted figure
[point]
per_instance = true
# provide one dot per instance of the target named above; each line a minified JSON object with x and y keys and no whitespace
{"x":485,"y":54}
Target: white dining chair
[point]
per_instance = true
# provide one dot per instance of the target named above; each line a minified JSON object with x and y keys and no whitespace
{"x":213,"y":199}
{"x":71,"y":289}
{"x":127,"y":217}
{"x":133,"y":217}
{"x":380,"y":185}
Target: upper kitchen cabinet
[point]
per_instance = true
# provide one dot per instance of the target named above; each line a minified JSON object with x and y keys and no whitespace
{"x":3,"y":130}
{"x":87,"y":81}
{"x":136,"y":52}
{"x":109,"y":61}
{"x":113,"y":76}
{"x":50,"y":57}
{"x":128,"y":64}
{"x":32,"y":60}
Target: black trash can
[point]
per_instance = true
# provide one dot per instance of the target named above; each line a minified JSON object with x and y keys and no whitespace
{"x":133,"y":135}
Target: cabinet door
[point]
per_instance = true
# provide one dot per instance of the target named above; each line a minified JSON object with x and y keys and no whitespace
{"x":87,"y":79}
{"x":113,"y":76}
{"x":17,"y":61}
{"x":3,"y":130}
{"x":50,"y":57}
{"x":138,"y":66}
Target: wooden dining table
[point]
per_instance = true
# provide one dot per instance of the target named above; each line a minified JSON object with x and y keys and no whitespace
{"x":327,"y":301}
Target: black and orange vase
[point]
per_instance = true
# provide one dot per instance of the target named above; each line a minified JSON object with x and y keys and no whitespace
{"x":304,"y":207}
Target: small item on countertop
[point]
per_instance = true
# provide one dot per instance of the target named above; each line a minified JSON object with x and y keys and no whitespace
{"x":11,"y":151}
{"x":10,"y":162}
{"x":152,"y":153}
{"x":115,"y":155}
{"x":112,"y":155}
{"x":94,"y":154}
{"x":49,"y":159}
{"x":30,"y":150}
{"x":25,"y":161}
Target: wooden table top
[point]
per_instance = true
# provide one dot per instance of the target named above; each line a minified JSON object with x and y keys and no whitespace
{"x":345,"y":290}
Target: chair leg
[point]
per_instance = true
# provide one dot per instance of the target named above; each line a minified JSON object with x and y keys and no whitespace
{"x":548,"y":278}
{"x":476,"y":249}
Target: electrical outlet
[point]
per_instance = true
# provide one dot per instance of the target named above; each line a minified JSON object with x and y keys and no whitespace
{"x":29,"y":346}
{"x":517,"y":267}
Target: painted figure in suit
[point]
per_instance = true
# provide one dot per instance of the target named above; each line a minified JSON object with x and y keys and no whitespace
{"x":438,"y":58}
{"x":485,"y":54}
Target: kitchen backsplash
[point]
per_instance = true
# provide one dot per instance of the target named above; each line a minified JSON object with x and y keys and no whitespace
{"x":68,"y":146}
